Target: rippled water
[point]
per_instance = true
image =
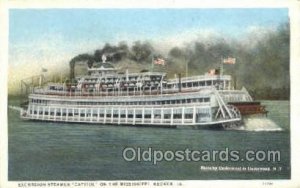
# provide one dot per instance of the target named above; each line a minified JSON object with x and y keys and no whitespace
{"x":60,"y":151}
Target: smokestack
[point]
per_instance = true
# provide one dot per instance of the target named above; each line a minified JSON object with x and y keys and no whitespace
{"x":72,"y":66}
{"x":179,"y":82}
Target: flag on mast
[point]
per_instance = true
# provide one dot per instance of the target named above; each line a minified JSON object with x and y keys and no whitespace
{"x":229,"y":60}
{"x":212,"y":72}
{"x":158,"y":61}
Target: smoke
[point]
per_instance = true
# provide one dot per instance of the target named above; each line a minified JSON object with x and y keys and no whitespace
{"x":260,"y":55}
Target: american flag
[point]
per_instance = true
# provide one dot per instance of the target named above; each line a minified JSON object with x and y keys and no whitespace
{"x":229,"y":60}
{"x":212,"y":72}
{"x":159,"y":61}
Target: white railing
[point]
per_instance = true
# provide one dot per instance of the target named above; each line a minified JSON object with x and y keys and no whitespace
{"x":200,"y":78}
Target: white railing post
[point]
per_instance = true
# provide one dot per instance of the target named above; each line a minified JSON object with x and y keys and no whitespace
{"x":172,"y":114}
{"x":182,"y":115}
{"x":104,"y":115}
{"x":194,"y":114}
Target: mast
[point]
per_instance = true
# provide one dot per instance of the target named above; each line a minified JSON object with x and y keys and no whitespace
{"x":221,"y":66}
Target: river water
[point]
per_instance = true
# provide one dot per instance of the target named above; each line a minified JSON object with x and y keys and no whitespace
{"x":62,"y":151}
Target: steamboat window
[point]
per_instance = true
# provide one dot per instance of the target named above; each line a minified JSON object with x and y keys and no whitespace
{"x":64,"y":112}
{"x":95,"y":113}
{"x":76,"y":112}
{"x":177,"y":113}
{"x":188,"y":116}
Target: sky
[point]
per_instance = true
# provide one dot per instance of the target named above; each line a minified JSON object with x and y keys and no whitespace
{"x":50,"y":38}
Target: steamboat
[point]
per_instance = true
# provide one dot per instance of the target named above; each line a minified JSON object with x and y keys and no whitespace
{"x":148,"y":98}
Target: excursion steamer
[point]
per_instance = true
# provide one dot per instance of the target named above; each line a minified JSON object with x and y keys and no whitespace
{"x":107,"y":97}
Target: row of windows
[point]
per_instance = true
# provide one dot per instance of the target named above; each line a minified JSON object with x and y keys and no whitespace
{"x":153,"y":78}
{"x":177,"y":101}
{"x":109,"y":115}
{"x":197,"y":84}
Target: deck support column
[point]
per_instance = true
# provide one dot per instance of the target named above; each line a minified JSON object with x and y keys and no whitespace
{"x":49,"y":112}
{"x":55,"y":114}
{"x":119,"y":116}
{"x":194,"y":114}
{"x":98,"y":115}
{"x":104,"y":115}
{"x":133,"y":116}
{"x":32,"y":111}
{"x":126,"y":118}
{"x":182,"y":115}
{"x":143,"y":115}
{"x":112,"y":115}
{"x":61,"y":114}
{"x":37,"y":112}
{"x":161,"y":115}
{"x":43,"y":113}
{"x":172,"y":113}
{"x":92,"y":113}
{"x":85,"y":114}
{"x":67,"y":114}
{"x":152,"y":115}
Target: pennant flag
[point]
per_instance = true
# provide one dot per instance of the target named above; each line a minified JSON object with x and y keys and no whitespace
{"x":212,"y":72}
{"x":229,"y":60}
{"x":159,"y":61}
{"x":103,"y":58}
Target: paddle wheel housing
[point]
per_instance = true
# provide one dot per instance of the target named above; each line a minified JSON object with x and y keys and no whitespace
{"x":250,"y":107}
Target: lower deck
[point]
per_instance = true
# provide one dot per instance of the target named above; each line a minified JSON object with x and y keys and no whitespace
{"x":186,"y":115}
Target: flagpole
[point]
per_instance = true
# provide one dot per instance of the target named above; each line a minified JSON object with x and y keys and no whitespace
{"x":186,"y":67}
{"x":152,"y":63}
{"x":221,"y":66}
